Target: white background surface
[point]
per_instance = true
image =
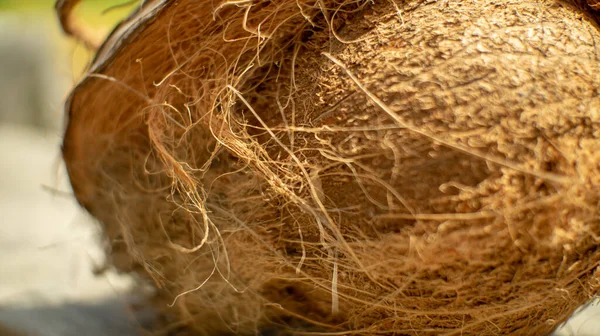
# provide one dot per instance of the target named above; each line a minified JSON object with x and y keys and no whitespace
{"x":48,"y":245}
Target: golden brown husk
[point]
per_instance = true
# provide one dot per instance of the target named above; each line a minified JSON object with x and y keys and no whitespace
{"x":400,"y":168}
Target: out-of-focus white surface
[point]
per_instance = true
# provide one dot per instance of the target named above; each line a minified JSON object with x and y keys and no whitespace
{"x":49,"y":247}
{"x":33,"y":80}
{"x":583,"y":323}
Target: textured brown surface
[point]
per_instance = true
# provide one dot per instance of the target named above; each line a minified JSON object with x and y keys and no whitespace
{"x":408,"y":168}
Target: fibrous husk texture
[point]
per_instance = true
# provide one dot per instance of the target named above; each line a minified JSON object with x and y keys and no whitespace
{"x":390,"y":167}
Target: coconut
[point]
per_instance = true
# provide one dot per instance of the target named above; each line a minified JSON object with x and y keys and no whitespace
{"x":409,"y":167}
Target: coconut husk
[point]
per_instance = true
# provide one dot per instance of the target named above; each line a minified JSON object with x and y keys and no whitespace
{"x":405,"y":168}
{"x":5,"y":331}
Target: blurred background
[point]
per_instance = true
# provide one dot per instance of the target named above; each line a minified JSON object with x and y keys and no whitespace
{"x":49,"y":248}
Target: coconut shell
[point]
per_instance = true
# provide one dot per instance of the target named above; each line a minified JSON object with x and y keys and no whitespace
{"x":397,"y":168}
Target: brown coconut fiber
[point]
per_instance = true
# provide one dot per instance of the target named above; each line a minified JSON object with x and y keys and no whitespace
{"x":348,"y":167}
